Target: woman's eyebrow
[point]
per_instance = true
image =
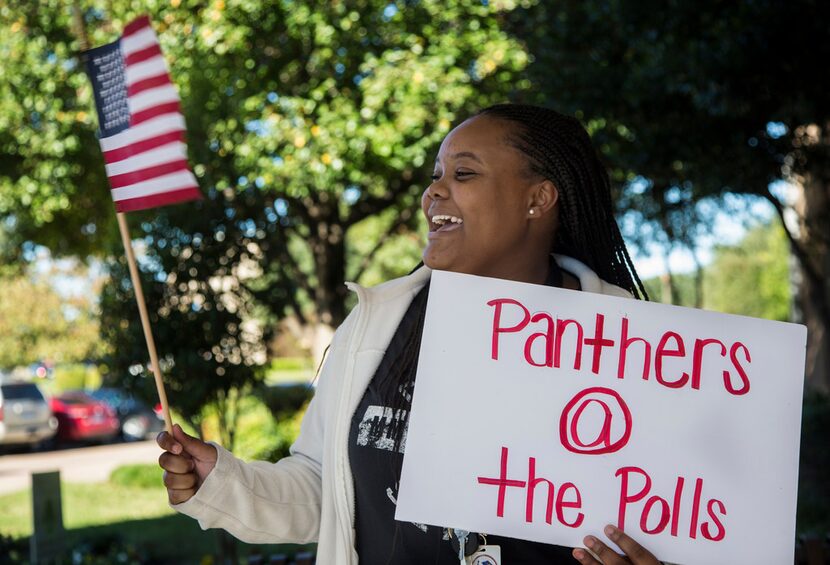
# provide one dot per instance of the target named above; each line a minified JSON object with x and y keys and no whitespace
{"x":461,"y":154}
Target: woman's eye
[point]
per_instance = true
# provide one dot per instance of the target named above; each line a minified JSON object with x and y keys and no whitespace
{"x":458,"y":175}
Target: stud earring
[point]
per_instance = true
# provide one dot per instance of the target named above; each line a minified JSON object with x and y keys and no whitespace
{"x":532,"y":211}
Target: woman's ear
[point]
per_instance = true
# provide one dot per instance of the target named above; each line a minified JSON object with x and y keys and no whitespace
{"x":543,"y":199}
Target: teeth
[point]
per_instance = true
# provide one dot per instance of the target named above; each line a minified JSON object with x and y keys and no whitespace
{"x":441,"y":219}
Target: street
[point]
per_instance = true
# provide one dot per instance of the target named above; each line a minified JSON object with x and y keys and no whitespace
{"x":79,"y":465}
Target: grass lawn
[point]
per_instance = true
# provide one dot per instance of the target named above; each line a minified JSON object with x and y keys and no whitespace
{"x":102,"y":514}
{"x":291,"y":376}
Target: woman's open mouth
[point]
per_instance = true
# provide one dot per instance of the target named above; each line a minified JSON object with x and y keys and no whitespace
{"x":441,"y":223}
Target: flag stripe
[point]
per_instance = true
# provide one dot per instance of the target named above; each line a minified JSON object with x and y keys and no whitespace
{"x":148,"y":83}
{"x":136,"y":25}
{"x":135,"y":177}
{"x":161,"y":95}
{"x":145,"y":69}
{"x":163,"y":199}
{"x":171,"y":151}
{"x":150,"y":113}
{"x":172,"y":181}
{"x":142,"y":38}
{"x":137,"y":134}
{"x":143,"y":54}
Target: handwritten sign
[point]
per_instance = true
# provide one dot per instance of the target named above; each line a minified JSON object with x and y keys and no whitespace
{"x":544,"y":414}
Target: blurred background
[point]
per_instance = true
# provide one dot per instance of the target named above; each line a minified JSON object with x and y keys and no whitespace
{"x":311,"y":130}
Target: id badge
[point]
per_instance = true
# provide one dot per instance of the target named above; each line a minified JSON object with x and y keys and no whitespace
{"x":486,"y":555}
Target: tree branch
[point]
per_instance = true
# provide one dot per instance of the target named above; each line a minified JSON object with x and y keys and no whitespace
{"x":374,"y":204}
{"x":816,"y":290}
{"x":403,"y":219}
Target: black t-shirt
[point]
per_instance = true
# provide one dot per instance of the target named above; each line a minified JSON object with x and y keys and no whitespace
{"x":376,"y":466}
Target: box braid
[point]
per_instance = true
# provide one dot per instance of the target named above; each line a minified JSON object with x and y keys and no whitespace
{"x":559,"y":149}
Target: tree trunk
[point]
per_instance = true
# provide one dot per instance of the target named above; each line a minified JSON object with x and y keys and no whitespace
{"x":813,"y":208}
{"x":698,"y":279}
{"x":668,"y":289}
{"x":329,"y":250}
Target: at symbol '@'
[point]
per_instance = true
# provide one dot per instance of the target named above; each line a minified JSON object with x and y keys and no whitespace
{"x":569,"y":421}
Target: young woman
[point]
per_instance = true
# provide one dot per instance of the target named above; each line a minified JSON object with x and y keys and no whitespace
{"x":518,"y":193}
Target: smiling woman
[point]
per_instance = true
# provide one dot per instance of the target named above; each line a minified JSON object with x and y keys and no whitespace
{"x":517,"y":193}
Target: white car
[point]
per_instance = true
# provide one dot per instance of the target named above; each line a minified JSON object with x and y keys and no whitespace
{"x":25,"y":416}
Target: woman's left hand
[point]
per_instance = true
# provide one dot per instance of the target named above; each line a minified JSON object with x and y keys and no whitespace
{"x":634,"y":552}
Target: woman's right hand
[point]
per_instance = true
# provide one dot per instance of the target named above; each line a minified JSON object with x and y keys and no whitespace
{"x":186,"y":461}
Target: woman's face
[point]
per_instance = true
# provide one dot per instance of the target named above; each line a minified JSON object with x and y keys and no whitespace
{"x":478,"y":205}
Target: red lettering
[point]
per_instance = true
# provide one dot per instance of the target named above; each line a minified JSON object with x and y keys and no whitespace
{"x":625,"y":497}
{"x":721,"y":531}
{"x":569,"y":422}
{"x":733,"y":355}
{"x":559,"y":502}
{"x":497,"y":329}
{"x":604,"y":436}
{"x":546,"y":335}
{"x":532,"y":481}
{"x":625,"y":341}
{"x":697,"y":358}
{"x":561,"y":325}
{"x":664,"y":515}
{"x":678,"y":495}
{"x":597,"y":342}
{"x":662,"y":351}
{"x":562,"y":504}
{"x":695,"y":508}
{"x":502,"y":482}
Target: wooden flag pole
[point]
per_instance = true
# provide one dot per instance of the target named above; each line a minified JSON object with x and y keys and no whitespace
{"x":80,"y":29}
{"x":145,"y":319}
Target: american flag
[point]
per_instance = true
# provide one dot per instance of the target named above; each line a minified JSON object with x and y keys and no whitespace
{"x":141,"y":128}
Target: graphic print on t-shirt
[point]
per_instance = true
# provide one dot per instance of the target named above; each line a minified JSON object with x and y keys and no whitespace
{"x":379,"y":426}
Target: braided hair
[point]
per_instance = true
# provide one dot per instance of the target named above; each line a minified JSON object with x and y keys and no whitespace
{"x":559,"y":149}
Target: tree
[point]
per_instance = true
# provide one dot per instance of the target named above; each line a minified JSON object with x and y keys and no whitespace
{"x":37,"y":324}
{"x":698,"y":100}
{"x":752,"y":278}
{"x":331,"y":109}
{"x":52,"y":185}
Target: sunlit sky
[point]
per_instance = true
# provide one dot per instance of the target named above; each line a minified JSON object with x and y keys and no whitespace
{"x":728,"y":227}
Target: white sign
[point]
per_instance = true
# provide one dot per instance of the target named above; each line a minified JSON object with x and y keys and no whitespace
{"x":545,"y":414}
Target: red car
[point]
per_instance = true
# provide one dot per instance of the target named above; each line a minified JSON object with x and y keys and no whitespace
{"x":82,"y":418}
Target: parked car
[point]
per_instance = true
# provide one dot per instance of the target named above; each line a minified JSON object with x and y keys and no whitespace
{"x":25,"y":417}
{"x":83,"y":418}
{"x":137,"y":420}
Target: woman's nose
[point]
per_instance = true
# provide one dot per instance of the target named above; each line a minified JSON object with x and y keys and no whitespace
{"x":436,"y":190}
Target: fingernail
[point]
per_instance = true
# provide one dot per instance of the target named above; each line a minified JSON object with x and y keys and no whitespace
{"x":590,"y":541}
{"x":176,"y":449}
{"x":610,"y":531}
{"x":579,"y":554}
